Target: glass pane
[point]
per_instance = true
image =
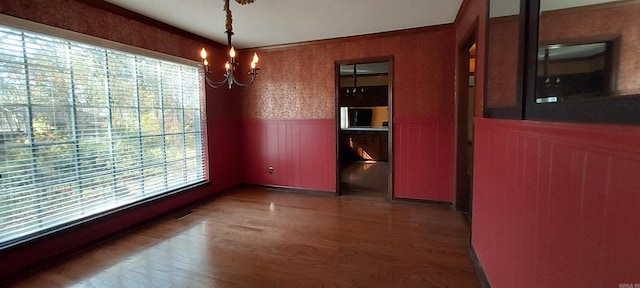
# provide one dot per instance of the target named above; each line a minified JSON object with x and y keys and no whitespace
{"x":172,"y":121}
{"x":124,"y":121}
{"x":150,"y":121}
{"x":14,"y":124}
{"x":92,"y":123}
{"x":148,"y":82}
{"x":52,"y":123}
{"x":48,"y":69}
{"x":89,"y":77}
{"x":175,"y":147}
{"x":171,"y":86}
{"x":503,"y":53}
{"x":121,"y":71}
{"x":16,"y":167}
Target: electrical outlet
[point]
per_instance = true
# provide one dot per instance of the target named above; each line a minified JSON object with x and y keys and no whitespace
{"x":270,"y":169}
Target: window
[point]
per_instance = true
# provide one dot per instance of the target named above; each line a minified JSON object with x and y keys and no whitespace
{"x":86,"y":129}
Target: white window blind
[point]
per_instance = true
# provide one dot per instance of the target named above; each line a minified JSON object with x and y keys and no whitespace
{"x":86,"y":129}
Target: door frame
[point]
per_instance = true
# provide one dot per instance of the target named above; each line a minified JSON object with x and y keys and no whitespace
{"x":337,"y":63}
{"x":463,"y":194}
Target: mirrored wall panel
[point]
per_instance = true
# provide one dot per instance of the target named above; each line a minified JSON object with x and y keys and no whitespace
{"x":587,"y":49}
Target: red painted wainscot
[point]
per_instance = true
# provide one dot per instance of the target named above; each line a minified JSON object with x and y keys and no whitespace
{"x":557,"y":204}
{"x":224,"y":166}
{"x":423,"y":151}
{"x":301,"y":152}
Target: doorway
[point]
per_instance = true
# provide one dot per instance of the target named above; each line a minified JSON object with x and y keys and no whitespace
{"x":363,"y":128}
{"x":464,"y":125}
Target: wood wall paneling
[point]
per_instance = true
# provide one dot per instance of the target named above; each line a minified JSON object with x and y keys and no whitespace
{"x":563,"y":198}
{"x":224,"y":161}
{"x":424,"y":159}
{"x":302,"y":153}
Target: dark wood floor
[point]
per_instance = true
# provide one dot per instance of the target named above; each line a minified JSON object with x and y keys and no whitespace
{"x":366,"y":178}
{"x":255,"y":237}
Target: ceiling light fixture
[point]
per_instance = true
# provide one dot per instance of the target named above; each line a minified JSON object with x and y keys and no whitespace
{"x":355,"y":82}
{"x":230,"y":65}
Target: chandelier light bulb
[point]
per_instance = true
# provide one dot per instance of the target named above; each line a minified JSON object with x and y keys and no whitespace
{"x":232,"y":52}
{"x":255,"y":58}
{"x":227,"y":66}
{"x":203,"y":54}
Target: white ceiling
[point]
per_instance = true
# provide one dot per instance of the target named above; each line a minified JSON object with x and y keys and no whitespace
{"x":273,"y":22}
{"x":499,"y":8}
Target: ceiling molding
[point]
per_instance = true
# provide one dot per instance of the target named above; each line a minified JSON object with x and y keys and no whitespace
{"x":353,"y":38}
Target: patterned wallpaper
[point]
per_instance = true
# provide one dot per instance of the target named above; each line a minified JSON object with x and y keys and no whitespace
{"x":299,"y":82}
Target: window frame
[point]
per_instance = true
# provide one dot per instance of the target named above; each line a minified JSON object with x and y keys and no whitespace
{"x":139,"y":52}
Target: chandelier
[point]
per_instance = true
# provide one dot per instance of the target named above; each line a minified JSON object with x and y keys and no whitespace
{"x":231,"y":64}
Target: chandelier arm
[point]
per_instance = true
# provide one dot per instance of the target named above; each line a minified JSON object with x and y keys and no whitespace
{"x":248,"y":84}
{"x":214,"y":84}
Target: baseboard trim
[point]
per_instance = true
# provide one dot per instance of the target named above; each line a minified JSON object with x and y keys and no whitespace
{"x":423,"y":201}
{"x":484,"y":281}
{"x":292,"y":189}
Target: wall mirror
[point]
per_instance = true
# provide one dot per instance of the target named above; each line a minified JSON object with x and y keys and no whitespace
{"x":569,"y":71}
{"x":587,"y":61}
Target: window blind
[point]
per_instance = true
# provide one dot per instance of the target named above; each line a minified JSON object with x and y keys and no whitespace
{"x":85,"y":129}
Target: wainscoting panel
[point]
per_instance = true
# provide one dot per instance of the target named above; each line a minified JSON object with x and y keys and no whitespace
{"x":423,"y":151}
{"x":301,"y":152}
{"x":225,"y":169}
{"x":556,"y":204}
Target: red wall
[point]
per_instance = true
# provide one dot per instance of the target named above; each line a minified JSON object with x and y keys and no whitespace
{"x":221,"y":121}
{"x":556,"y":205}
{"x":424,"y":161}
{"x":296,"y":149}
{"x":296,"y":88}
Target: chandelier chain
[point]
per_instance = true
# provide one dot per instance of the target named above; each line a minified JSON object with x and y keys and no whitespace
{"x":229,"y":24}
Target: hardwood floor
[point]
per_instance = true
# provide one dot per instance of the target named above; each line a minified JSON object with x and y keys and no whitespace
{"x":366,"y":178}
{"x":256,"y":237}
